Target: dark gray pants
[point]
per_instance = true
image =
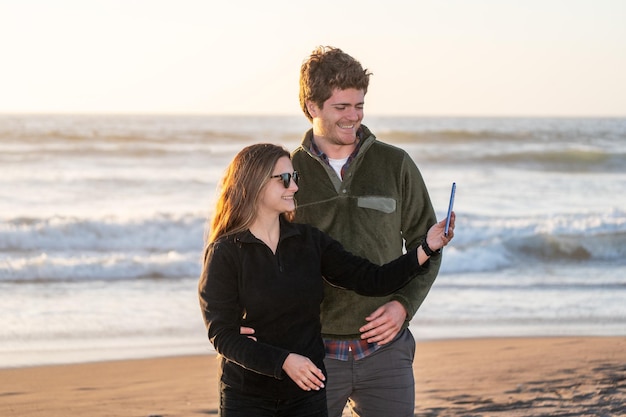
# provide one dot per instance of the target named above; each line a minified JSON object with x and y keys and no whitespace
{"x":378,"y":385}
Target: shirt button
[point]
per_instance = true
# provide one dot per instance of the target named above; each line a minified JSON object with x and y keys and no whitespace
{"x":344,"y":191}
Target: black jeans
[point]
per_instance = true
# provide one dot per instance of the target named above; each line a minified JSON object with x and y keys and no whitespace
{"x":237,"y":404}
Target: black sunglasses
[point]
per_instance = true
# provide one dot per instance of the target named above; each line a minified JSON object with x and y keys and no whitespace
{"x":286,"y":177}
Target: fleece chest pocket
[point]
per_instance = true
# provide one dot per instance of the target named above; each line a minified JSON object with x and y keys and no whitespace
{"x":384,"y":204}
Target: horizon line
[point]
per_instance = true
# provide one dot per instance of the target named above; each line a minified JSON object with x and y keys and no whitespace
{"x":398,"y":115}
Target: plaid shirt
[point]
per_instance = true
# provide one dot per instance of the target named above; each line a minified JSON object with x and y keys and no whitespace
{"x":315,"y":150}
{"x":342,"y":349}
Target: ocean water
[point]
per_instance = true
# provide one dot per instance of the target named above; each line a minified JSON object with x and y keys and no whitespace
{"x":102,"y":221}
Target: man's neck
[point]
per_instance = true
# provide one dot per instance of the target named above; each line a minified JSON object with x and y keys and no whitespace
{"x":334,"y":150}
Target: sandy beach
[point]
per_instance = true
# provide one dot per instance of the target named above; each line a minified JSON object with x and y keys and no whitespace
{"x":565,"y":376}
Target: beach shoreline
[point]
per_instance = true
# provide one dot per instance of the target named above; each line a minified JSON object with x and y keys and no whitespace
{"x":524,"y":376}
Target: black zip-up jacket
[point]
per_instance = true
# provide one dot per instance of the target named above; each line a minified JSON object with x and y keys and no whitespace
{"x":245,"y":284}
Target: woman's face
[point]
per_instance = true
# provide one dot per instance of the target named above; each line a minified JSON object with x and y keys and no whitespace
{"x":275,"y":198}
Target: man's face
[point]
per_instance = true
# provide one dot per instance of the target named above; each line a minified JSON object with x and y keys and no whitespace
{"x":340,"y":118}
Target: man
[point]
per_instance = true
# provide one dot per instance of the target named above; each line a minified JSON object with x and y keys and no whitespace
{"x":371,"y":197}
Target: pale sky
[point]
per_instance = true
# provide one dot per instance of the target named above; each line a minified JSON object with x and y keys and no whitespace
{"x":428,"y":57}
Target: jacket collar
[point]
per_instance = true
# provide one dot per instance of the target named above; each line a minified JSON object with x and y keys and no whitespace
{"x":366,"y":138}
{"x":287,"y":229}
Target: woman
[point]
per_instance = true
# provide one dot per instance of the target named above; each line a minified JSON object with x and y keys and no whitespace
{"x":263,"y":272}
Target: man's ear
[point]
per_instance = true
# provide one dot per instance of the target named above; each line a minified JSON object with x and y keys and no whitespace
{"x":312,"y":108}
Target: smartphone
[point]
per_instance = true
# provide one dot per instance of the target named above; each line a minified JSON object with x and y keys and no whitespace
{"x":450,"y":206}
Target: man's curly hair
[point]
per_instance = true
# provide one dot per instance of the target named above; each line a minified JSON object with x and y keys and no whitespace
{"x":327,"y":69}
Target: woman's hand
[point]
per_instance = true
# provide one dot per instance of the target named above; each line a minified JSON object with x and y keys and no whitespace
{"x":304,"y":372}
{"x":249,"y":331}
{"x":435,"y":237}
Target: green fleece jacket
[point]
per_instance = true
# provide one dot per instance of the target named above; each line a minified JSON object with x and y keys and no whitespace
{"x":381,"y":205}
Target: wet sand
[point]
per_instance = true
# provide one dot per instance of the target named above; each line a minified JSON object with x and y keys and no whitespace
{"x":569,"y":376}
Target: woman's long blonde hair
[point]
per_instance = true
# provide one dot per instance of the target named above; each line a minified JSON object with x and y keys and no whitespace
{"x":243,"y":181}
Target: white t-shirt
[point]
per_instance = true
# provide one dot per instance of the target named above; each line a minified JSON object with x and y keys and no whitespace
{"x":337,"y":164}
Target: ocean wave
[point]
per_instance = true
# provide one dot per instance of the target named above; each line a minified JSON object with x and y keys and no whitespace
{"x":167,"y":246}
{"x":569,"y":145}
{"x":135,"y":129}
{"x":38,"y":149}
{"x":160,"y":232}
{"x":506,"y":134}
{"x":454,"y":136}
{"x":57,"y":266}
{"x":490,"y":244}
{"x":187,"y":128}
{"x":574,"y":248}
{"x":568,"y":160}
{"x":449,"y":130}
{"x":72,"y":248}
